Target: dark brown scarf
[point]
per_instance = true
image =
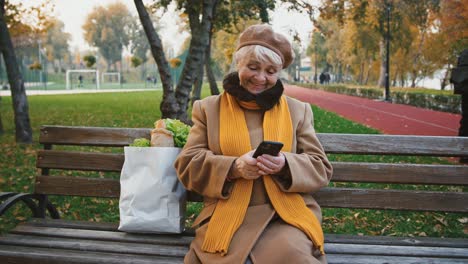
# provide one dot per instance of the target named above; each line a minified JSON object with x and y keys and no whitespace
{"x":265,"y":100}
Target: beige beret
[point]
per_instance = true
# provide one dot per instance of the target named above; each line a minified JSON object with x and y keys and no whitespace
{"x":264,"y":35}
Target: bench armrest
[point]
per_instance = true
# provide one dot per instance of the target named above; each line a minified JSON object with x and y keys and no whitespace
{"x":8,"y":199}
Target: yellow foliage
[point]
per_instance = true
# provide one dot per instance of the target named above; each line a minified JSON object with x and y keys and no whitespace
{"x":175,"y":62}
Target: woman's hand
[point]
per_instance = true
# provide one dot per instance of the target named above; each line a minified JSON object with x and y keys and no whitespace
{"x":245,"y":167}
{"x":270,"y":165}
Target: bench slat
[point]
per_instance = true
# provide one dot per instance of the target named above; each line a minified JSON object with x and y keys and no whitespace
{"x":91,"y":245}
{"x":159,"y":239}
{"x":394,"y":145}
{"x":77,"y":186}
{"x":91,"y":136}
{"x":74,"y":160}
{"x":404,"y":251}
{"x":396,"y":241}
{"x":367,"y":259}
{"x":392,"y":199}
{"x":327,"y":197}
{"x":82,"y":186}
{"x":333,"y":143}
{"x":93,"y":230}
{"x":400,"y":173}
{"x":38,"y":255}
{"x":343,"y":171}
{"x":95,"y":245}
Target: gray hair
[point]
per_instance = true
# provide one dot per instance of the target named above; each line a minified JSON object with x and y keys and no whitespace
{"x":262,"y":54}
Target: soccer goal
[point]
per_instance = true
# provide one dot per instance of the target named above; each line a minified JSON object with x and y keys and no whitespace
{"x":81,"y":78}
{"x":108,"y":77}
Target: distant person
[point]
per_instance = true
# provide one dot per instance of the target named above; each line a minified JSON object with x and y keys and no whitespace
{"x":256,"y":210}
{"x":322,"y":78}
{"x":459,"y":79}
{"x":327,"y":78}
{"x":80,"y":80}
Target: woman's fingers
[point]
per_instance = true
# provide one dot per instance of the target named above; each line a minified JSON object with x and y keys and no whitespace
{"x":270,"y":164}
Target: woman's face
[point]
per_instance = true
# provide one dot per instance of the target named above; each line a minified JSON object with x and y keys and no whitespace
{"x":257,"y":76}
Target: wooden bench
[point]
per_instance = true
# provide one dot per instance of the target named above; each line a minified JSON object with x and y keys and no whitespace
{"x":47,"y":240}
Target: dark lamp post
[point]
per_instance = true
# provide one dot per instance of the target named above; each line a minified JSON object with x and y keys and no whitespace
{"x":387,"y":59}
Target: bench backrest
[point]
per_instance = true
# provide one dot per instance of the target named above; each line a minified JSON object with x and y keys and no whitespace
{"x":54,"y":162}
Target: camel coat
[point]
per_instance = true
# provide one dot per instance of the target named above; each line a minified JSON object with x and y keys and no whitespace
{"x":263,"y":236}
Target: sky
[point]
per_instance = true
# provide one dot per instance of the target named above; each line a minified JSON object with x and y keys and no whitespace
{"x":73,"y":13}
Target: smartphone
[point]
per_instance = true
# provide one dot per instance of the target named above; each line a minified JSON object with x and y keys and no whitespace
{"x":268,"y":147}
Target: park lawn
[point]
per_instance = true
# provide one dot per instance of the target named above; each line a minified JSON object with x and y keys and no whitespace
{"x":141,"y":109}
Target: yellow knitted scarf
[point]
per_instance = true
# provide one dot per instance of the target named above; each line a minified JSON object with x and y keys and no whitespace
{"x":235,"y":141}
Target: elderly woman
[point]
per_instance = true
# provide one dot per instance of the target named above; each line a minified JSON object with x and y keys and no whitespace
{"x":256,"y":210}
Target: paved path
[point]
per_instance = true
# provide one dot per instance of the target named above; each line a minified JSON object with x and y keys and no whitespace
{"x":393,"y":119}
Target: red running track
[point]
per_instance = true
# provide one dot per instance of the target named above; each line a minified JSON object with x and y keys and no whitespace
{"x":393,"y":119}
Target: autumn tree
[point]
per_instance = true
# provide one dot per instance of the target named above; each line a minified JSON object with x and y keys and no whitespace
{"x":453,"y":32}
{"x":10,"y":16}
{"x":55,"y":42}
{"x":139,"y":46}
{"x":411,"y":25}
{"x":203,"y":19}
{"x":107,"y":28}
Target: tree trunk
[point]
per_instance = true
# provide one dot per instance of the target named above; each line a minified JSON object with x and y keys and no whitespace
{"x":383,"y":65}
{"x":368,"y":71}
{"x":209,"y":71}
{"x":443,"y":82}
{"x":197,"y":85}
{"x":361,"y":73}
{"x":413,"y":79}
{"x":169,"y":106}
{"x":18,"y":93}
{"x":340,"y":73}
{"x":200,"y":32}
{"x":1,"y":123}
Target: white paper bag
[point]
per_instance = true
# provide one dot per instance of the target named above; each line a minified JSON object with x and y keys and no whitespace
{"x":152,"y":200}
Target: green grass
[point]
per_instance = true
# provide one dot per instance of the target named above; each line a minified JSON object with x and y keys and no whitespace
{"x":141,"y":109}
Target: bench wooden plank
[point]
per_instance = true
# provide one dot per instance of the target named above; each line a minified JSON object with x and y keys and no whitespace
{"x":90,"y":245}
{"x":394,"y":145}
{"x":343,"y":171}
{"x":400,"y":173}
{"x":176,"y":251}
{"x":159,"y":239}
{"x":91,"y":136}
{"x":397,"y":241}
{"x":95,"y":245}
{"x":366,"y":259}
{"x":404,"y":251}
{"x":72,"y":224}
{"x":77,"y":186}
{"x":327,"y":197}
{"x":93,"y":230}
{"x":333,"y":143}
{"x":392,"y":199}
{"x":83,"y":186}
{"x":36,"y":255}
{"x":74,"y":160}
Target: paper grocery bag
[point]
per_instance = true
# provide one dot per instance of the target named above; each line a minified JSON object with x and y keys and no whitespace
{"x":152,"y":200}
